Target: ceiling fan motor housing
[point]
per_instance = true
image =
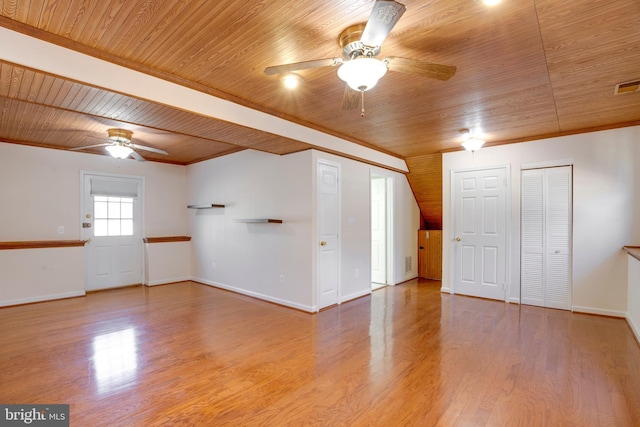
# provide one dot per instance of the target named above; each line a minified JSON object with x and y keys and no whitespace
{"x":122,"y":136}
{"x":351,"y":45}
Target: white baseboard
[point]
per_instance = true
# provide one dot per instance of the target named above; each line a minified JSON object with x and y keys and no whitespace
{"x":634,"y":328}
{"x":257,"y":295}
{"x":445,"y":289}
{"x":514,"y":300}
{"x":600,"y":311}
{"x":354,"y":295}
{"x":167,"y":281}
{"x":41,"y":298}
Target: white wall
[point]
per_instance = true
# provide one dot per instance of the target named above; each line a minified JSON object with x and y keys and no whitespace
{"x":604,"y":200}
{"x":40,"y":191}
{"x":30,"y":275}
{"x":167,"y":262}
{"x":250,"y":258}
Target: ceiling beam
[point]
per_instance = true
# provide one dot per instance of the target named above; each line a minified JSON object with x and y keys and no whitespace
{"x":37,"y":54}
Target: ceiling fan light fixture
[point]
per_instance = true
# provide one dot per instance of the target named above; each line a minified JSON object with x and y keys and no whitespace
{"x":362,"y":73}
{"x":119,"y":151}
{"x":491,"y":2}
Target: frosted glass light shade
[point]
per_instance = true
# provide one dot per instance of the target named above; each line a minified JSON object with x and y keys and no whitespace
{"x":362,"y":73}
{"x":473,"y":144}
{"x":119,"y":151}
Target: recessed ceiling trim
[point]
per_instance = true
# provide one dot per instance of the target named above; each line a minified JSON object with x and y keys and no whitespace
{"x":34,"y":53}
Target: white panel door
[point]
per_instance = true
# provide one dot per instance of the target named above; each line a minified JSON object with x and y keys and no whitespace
{"x":328,"y":228}
{"x":480,"y":233}
{"x":378,"y":231}
{"x":546,"y":237}
{"x":112,"y":225}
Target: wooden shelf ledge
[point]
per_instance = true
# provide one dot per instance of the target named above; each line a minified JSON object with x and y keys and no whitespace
{"x":167,"y":239}
{"x":634,"y":251}
{"x":38,"y":244}
{"x":209,"y":206}
{"x":260,"y":220}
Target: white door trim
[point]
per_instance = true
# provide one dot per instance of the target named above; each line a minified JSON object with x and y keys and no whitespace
{"x":452,"y":229}
{"x":389,"y":182}
{"x":141,"y":197}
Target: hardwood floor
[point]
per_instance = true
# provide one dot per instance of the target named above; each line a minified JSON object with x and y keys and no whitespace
{"x":191,"y":355}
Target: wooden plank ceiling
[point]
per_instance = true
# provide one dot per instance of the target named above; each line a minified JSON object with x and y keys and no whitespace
{"x":525,"y":69}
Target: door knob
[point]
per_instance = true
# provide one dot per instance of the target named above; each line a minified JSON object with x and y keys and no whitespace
{"x":457,"y":239}
{"x":323,"y":243}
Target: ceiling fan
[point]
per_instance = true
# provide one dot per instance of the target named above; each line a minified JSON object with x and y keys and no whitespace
{"x":121,"y":147}
{"x":359,"y":66}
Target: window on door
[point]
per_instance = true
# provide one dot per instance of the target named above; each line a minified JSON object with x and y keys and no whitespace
{"x":113,"y":216}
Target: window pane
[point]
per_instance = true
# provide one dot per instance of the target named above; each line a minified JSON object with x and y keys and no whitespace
{"x":114,"y":227}
{"x":100,"y":209}
{"x":100,"y":227}
{"x":113,"y":216}
{"x":126,"y":227}
{"x":114,"y":209}
{"x":126,"y":210}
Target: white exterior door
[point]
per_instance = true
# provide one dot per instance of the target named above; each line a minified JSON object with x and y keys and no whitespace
{"x":328,"y":228}
{"x":112,"y":225}
{"x":480,"y":263}
{"x":378,"y":230}
{"x":546,"y":237}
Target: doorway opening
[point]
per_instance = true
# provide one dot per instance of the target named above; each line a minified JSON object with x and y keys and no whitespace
{"x":381,"y":230}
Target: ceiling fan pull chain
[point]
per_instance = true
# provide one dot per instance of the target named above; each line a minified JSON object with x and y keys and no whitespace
{"x":362,"y":103}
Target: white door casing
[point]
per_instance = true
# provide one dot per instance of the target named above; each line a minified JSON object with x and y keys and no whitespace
{"x":328,"y":193}
{"x":378,"y":230}
{"x":111,"y":261}
{"x":546,"y":240}
{"x":479,"y":210}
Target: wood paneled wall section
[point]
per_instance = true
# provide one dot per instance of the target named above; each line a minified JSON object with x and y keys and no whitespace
{"x":430,"y":254}
{"x":425,"y":179}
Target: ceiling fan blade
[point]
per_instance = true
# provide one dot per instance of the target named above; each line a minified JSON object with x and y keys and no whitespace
{"x":153,"y":150}
{"x":89,"y":146}
{"x":350,"y":98}
{"x":316,"y":63}
{"x":137,"y":156}
{"x":423,"y":68}
{"x":384,"y":16}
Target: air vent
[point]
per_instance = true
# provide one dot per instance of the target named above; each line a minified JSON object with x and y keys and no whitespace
{"x":407,"y":264}
{"x":627,"y":87}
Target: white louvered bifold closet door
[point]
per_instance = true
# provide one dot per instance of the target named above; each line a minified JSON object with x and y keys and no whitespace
{"x":546,"y":237}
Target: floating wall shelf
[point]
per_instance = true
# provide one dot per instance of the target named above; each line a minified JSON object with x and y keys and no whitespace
{"x":211,"y":206}
{"x":261,"y":220}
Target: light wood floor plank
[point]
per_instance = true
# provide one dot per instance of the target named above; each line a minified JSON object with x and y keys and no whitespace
{"x":188,"y":354}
